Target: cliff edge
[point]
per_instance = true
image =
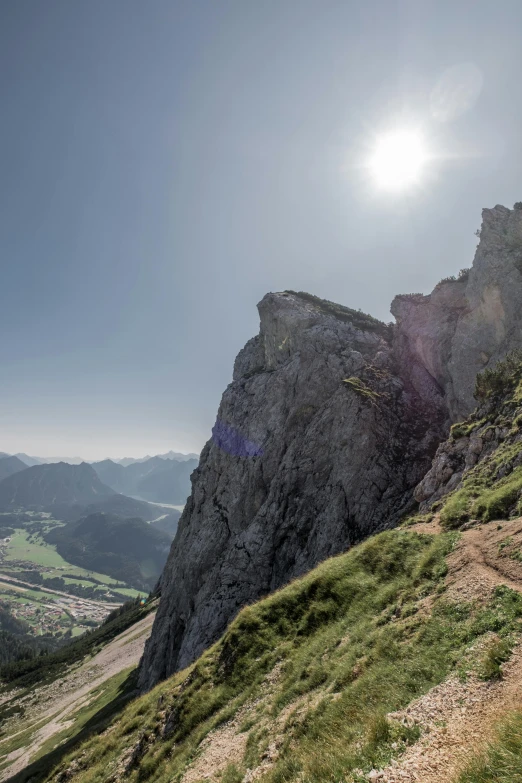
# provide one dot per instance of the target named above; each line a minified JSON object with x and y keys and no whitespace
{"x":330,"y":422}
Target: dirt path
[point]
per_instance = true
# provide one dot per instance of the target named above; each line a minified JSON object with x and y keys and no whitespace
{"x":67,"y":695}
{"x":459,"y":718}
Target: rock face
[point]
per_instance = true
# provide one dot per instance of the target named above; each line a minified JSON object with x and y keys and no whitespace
{"x":330,"y":422}
{"x":301,"y":464}
{"x":465,"y":326}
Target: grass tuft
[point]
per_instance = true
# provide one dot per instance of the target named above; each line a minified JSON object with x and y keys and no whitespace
{"x":502,"y":761}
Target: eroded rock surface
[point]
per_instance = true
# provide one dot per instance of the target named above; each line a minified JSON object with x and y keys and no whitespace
{"x":301,"y":465}
{"x":330,"y":422}
{"x":465,"y":326}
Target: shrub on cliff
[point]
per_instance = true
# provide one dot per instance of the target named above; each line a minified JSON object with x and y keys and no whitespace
{"x":501,"y":379}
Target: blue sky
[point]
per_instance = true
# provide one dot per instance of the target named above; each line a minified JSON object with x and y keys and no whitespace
{"x":165,"y":164}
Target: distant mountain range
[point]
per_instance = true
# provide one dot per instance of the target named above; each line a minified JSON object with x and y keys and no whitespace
{"x":175,"y":455}
{"x":30,"y":461}
{"x":10,"y":465}
{"x":157,"y":479}
{"x":69,"y":492}
{"x":164,"y":478}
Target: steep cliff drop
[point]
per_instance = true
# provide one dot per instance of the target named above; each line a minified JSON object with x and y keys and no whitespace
{"x":331,"y":421}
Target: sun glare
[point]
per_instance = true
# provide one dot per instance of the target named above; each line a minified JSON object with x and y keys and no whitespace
{"x":398,"y":160}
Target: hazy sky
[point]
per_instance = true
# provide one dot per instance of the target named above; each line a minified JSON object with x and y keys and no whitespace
{"x":164,"y":164}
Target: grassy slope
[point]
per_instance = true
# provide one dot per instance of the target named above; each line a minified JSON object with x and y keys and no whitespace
{"x":483,"y":494}
{"x":19,"y":548}
{"x":502,"y":762}
{"x":355,"y":634}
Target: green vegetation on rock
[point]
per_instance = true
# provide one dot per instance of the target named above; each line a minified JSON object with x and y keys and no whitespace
{"x":492,"y":488}
{"x":501,"y":379}
{"x":461,"y":277}
{"x":462,"y":429}
{"x":364,"y":391}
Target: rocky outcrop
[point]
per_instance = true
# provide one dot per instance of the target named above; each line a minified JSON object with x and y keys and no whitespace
{"x":317,"y":444}
{"x":331,"y":420}
{"x":467,"y":325}
{"x":482,"y":450}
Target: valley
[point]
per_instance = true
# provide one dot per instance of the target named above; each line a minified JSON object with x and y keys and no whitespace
{"x":72,"y":551}
{"x":54,"y":597}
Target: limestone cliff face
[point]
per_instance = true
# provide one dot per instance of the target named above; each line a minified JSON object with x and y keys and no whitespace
{"x":465,"y":326}
{"x":330,"y":422}
{"x":301,"y":464}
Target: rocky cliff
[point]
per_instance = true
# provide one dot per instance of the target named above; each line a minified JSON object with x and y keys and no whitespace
{"x":467,"y":325}
{"x":330,"y":422}
{"x":476,"y":473}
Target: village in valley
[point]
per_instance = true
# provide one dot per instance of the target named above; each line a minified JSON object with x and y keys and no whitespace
{"x":53,"y":597}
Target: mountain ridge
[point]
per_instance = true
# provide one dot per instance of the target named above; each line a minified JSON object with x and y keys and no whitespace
{"x":10,"y":465}
{"x":380,"y":662}
{"x":45,"y":485}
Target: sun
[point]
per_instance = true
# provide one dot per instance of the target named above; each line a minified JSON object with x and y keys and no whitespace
{"x":398,"y":160}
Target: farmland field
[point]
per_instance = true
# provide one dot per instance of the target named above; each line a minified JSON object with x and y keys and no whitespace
{"x":38,"y":552}
{"x":19,"y":548}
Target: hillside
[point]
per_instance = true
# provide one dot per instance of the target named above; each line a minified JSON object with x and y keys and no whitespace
{"x":117,"y":504}
{"x":16,"y":640}
{"x":9,"y":466}
{"x":129,"y":550}
{"x":313,"y":684}
{"x":168,"y":523}
{"x":41,"y":486}
{"x":56,"y":696}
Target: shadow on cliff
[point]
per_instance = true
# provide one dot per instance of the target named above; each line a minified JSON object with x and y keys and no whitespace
{"x":40,"y":769}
